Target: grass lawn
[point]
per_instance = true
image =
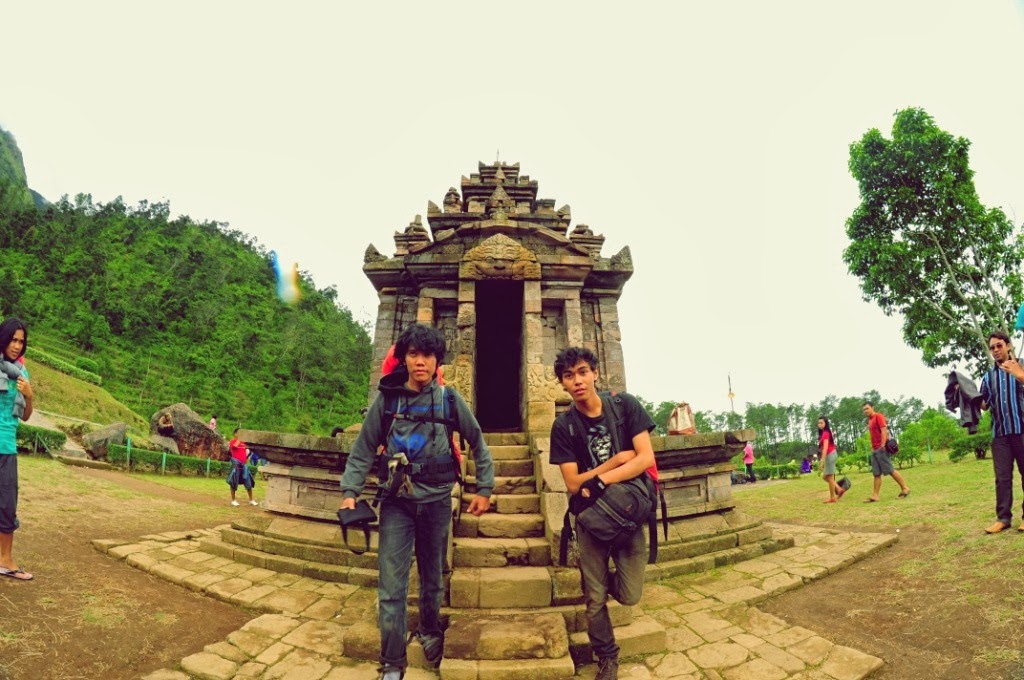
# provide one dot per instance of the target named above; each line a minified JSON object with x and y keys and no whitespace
{"x":214,"y":487}
{"x":954,"y":501}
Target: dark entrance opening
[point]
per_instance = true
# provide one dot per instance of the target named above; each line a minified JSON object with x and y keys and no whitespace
{"x":499,"y":354}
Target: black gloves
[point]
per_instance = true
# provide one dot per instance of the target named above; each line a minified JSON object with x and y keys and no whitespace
{"x":594,"y":488}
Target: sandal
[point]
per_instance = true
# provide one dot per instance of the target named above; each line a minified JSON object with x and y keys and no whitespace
{"x":18,"y":574}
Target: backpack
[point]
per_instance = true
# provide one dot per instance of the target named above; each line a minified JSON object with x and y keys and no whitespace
{"x":437,"y":471}
{"x":619,"y":511}
{"x":394,"y":475}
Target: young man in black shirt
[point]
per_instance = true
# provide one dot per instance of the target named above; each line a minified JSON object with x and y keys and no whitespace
{"x":581,"y":446}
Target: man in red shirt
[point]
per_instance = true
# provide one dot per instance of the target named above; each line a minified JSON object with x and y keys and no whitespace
{"x":239,"y":470}
{"x":881,"y":461}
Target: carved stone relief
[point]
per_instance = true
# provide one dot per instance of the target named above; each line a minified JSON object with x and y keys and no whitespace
{"x":499,"y":257}
{"x":542,"y":386}
{"x":452,"y":202}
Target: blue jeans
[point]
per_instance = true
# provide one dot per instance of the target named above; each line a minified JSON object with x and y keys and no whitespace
{"x":404,"y":524}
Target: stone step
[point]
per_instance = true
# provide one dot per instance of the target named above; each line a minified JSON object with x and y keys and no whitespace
{"x":501,"y":552}
{"x":508,"y":504}
{"x":643,"y":636}
{"x":536,"y":669}
{"x":704,"y":545}
{"x":506,"y":438}
{"x":517,"y":587}
{"x":332,"y":552}
{"x":362,"y":641}
{"x":517,"y":452}
{"x":505,"y":468}
{"x":506,"y":485}
{"x":480,"y":636}
{"x":714,"y":560}
{"x":494,"y":525}
{"x":336,"y":573}
{"x":522,"y":647}
{"x":575,"y":615}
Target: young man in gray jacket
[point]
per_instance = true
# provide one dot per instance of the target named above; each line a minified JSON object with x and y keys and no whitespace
{"x":419,"y":511}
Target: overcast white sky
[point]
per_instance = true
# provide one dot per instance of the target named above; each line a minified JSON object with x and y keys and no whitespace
{"x":711,"y":138}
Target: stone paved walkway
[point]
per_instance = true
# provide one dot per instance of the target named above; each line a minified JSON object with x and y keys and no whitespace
{"x":714,"y":629}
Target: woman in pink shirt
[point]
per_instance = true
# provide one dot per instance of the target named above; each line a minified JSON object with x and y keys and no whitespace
{"x":748,"y":460}
{"x":829,"y":456}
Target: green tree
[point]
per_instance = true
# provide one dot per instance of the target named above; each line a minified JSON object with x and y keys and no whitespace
{"x":925,"y":247}
{"x":934,"y":430}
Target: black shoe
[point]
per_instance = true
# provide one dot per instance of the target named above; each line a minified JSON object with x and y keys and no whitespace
{"x":607,"y":668}
{"x":433,"y":648}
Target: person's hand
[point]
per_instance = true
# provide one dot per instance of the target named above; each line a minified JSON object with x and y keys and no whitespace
{"x":479,"y":505}
{"x":348,"y":504}
{"x":25,"y":387}
{"x":1012,"y":367}
{"x":592,"y":489}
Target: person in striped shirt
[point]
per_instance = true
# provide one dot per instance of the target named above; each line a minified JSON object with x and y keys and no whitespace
{"x":1002,"y":390}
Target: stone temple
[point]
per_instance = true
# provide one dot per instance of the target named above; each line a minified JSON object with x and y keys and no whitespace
{"x":509,"y":282}
{"x":499,"y":271}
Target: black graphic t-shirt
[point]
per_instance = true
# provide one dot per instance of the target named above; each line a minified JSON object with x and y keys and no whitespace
{"x":598,"y":438}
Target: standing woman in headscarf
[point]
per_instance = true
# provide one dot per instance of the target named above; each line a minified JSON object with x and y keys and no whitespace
{"x":829,"y":455}
{"x":15,"y":404}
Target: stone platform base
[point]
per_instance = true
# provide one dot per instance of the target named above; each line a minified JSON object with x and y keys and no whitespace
{"x":711,"y":626}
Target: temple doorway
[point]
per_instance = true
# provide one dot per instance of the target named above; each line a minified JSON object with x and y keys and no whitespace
{"x":499,"y":354}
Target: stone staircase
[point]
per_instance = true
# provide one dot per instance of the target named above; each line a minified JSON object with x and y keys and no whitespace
{"x":507,"y":600}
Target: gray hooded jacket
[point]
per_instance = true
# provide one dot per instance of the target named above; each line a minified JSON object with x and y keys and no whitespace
{"x":421,"y":442}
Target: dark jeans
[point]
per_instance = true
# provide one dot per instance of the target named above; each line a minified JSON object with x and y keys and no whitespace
{"x":750,"y":473}
{"x":630,"y":558}
{"x":404,"y":524}
{"x":1006,"y":450}
{"x":8,"y":493}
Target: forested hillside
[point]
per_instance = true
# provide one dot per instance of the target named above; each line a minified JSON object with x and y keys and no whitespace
{"x":173,"y":310}
{"x":14,"y":191}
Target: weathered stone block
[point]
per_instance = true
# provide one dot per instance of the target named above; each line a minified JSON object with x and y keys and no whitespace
{"x":539,"y":416}
{"x":487,"y":637}
{"x":515,"y":587}
{"x":465,"y":588}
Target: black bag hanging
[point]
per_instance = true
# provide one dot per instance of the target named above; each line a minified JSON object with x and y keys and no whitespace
{"x":360,"y":516}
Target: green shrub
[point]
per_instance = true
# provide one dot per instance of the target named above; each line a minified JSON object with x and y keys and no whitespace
{"x":143,"y":460}
{"x":853,"y":461}
{"x":31,"y":438}
{"x":908,"y":456}
{"x":783,"y":471}
{"x":976,"y":444}
{"x":63,"y":366}
{"x":87,"y":364}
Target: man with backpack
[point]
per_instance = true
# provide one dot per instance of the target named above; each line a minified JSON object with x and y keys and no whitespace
{"x":412,"y":417}
{"x":602,"y":441}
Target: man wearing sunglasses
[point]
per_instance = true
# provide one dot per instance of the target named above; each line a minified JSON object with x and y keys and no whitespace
{"x":1002,"y":391}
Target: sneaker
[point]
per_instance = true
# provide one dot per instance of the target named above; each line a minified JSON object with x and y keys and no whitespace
{"x":235,"y":503}
{"x":391,"y":674}
{"x":254,"y":502}
{"x":607,"y":668}
{"x":433,"y":648}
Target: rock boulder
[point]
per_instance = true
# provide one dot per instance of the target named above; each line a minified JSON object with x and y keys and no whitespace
{"x":97,"y":443}
{"x":161,"y":443}
{"x":190,"y":433}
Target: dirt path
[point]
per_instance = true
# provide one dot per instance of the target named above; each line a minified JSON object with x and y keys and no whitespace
{"x":85,"y":615}
{"x":921,"y":634}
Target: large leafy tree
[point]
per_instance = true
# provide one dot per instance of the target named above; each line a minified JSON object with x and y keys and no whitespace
{"x":925,"y":247}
